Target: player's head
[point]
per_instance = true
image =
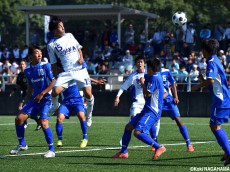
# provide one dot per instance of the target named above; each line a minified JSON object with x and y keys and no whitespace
{"x":56,"y":27}
{"x":22,"y":65}
{"x":35,"y":54}
{"x":209,"y":47}
{"x":154,"y":65}
{"x":140,"y":63}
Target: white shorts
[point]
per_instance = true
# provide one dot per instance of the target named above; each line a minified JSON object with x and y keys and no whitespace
{"x":135,"y":110}
{"x":80,"y":76}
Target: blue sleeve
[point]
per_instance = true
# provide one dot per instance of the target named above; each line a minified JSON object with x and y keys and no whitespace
{"x":211,"y":70}
{"x":170,"y":78}
{"x":49,"y":72}
{"x":28,"y":78}
{"x":151,"y":84}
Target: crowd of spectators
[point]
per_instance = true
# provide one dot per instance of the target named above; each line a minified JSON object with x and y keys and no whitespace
{"x":179,"y":52}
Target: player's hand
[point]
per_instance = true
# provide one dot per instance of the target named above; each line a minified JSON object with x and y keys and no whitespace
{"x":101,"y":81}
{"x":142,"y":80}
{"x":176,"y":100}
{"x":116,"y":101}
{"x":39,"y":97}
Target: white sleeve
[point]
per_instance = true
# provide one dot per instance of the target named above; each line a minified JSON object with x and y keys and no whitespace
{"x":51,"y":53}
{"x":127,"y":83}
{"x":77,"y":43}
{"x":120,"y":92}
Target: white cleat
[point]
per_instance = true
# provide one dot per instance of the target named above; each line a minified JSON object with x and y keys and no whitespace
{"x":89,"y":121}
{"x":53,"y":109}
{"x":18,"y":149}
{"x":49,"y":154}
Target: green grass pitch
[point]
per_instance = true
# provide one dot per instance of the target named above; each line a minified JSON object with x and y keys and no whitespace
{"x":104,"y":136}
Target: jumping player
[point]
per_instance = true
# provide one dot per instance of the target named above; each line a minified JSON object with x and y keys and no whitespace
{"x":218,"y":86}
{"x":38,"y":100}
{"x":153,"y":91}
{"x":64,"y":48}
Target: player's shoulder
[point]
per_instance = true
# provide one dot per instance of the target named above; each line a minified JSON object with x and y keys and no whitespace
{"x":45,"y":64}
{"x":164,"y":70}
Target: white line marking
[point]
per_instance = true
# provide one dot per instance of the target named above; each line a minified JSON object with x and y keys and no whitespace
{"x":101,"y":149}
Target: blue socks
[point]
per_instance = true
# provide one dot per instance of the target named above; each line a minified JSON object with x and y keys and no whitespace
{"x":125,"y":140}
{"x":148,"y":140}
{"x":20,"y":131}
{"x":184,"y":132}
{"x":153,"y":133}
{"x":84,"y":129}
{"x":49,"y":138}
{"x":222,"y":139}
{"x":59,"y":130}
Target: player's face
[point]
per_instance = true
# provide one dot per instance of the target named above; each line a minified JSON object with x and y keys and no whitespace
{"x":150,"y":71}
{"x":140,"y":64}
{"x":37,"y":56}
{"x":22,"y":65}
{"x":60,"y":31}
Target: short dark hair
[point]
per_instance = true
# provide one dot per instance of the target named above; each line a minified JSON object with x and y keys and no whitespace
{"x":32,"y":48}
{"x":53,"y":24}
{"x":210,"y":45}
{"x":154,"y":64}
{"x":139,"y":58}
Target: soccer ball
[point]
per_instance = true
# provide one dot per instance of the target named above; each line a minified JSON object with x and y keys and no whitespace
{"x":179,"y":18}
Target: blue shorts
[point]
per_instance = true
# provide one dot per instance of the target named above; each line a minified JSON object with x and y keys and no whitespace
{"x":219,"y":115}
{"x":171,"y":110}
{"x":144,"y":121}
{"x":34,"y":109}
{"x":66,"y":109}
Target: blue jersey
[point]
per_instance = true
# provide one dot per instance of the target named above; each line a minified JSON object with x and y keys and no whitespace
{"x":154,"y":85}
{"x":71,"y":95}
{"x":39,"y":77}
{"x":219,"y":89}
{"x":167,"y":81}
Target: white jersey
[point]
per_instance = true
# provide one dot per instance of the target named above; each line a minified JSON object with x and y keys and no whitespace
{"x":65,"y":49}
{"x":133,"y":81}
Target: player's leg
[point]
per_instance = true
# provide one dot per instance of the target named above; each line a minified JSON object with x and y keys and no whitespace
{"x":155,"y":130}
{"x":20,"y":132}
{"x":59,"y":128}
{"x":43,"y":110}
{"x":219,"y":116}
{"x":127,"y":137}
{"x":84,"y":129}
{"x":38,"y":127}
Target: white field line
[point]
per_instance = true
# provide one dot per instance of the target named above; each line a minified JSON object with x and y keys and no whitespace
{"x":100,"y":149}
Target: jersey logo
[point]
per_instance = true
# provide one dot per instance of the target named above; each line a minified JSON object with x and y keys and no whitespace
{"x":40,"y":72}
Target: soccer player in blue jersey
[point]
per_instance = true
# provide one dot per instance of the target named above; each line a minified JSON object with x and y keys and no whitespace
{"x":217,"y":82}
{"x":153,"y":91}
{"x":71,"y":101}
{"x":38,"y":100}
{"x":171,"y":109}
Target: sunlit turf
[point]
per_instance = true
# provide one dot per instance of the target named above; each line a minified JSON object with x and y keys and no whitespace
{"x":104,"y":136}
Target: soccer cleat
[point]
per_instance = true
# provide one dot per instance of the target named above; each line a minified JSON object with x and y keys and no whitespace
{"x":225,"y":156}
{"x":121,"y":155}
{"x":153,"y":149}
{"x":53,"y":109}
{"x":38,"y":127}
{"x":18,"y":149}
{"x":89,"y":120}
{"x":158,"y":152}
{"x":59,"y":143}
{"x":49,"y":154}
{"x":190,"y":148}
{"x":84,"y":143}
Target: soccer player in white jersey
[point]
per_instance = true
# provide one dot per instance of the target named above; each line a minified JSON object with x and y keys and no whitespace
{"x":64,"y":48}
{"x":218,"y":86}
{"x":37,"y":102}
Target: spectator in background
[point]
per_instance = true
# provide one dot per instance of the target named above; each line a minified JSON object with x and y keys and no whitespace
{"x":175,"y":64}
{"x":167,"y":46}
{"x":180,"y":34}
{"x":16,"y":54}
{"x":190,"y":36}
{"x":202,"y":66}
{"x":157,"y":41}
{"x":174,"y":72}
{"x":205,"y":33}
{"x":148,"y":50}
{"x":113,"y":36}
{"x":105,"y":38}
{"x":186,"y":50}
{"x":182,"y":79}
{"x":14,"y":68}
{"x":129,"y":36}
{"x":219,"y":35}
{"x":91,"y":67}
{"x":194,"y":73}
{"x":172,"y":43}
{"x":6,"y":55}
{"x":107,"y":52}
{"x":227,"y":35}
{"x":189,"y":65}
{"x":143,"y":38}
{"x":24,"y":54}
{"x":127,"y":63}
{"x":222,"y":57}
{"x":116,"y":54}
{"x":228,"y":58}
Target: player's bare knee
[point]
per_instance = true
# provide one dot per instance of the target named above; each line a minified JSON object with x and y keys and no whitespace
{"x":44,"y":123}
{"x":136,"y":133}
{"x":87,"y":92}
{"x":129,"y":127}
{"x":214,"y":127}
{"x":60,"y":118}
